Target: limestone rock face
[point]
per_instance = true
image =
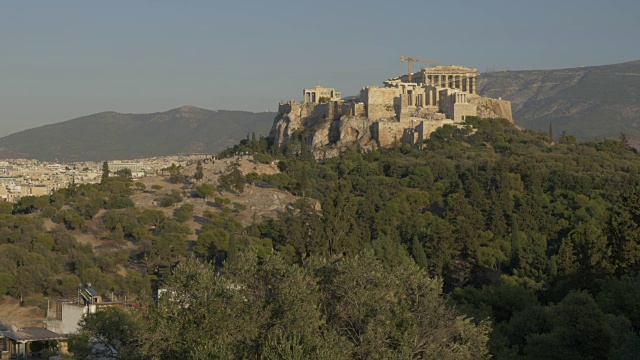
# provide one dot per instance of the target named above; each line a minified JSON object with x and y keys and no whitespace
{"x":489,"y":108}
{"x":320,"y":134}
{"x":292,"y":117}
{"x":332,"y":127}
{"x":355,"y":129}
{"x":325,"y":136}
{"x":285,"y":124}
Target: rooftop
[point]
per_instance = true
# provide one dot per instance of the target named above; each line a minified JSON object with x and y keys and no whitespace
{"x":32,"y":334}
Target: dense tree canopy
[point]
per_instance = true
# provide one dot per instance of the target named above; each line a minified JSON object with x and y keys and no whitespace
{"x":536,"y":242}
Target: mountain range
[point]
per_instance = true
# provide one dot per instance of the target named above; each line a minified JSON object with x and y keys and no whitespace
{"x":589,"y":102}
{"x":111,"y":135}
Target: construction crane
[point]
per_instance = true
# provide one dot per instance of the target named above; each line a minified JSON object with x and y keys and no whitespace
{"x":410,"y":62}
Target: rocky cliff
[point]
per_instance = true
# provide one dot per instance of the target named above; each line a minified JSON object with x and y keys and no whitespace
{"x":489,"y":108}
{"x":326,"y":131}
{"x":325,"y":135}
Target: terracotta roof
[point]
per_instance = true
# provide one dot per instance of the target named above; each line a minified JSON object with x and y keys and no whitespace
{"x":32,"y":334}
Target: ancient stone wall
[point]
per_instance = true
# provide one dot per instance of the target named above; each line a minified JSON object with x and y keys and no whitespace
{"x":337,"y":109}
{"x":379,"y":102}
{"x":492,"y":108}
{"x":388,"y":133}
{"x":384,"y":116}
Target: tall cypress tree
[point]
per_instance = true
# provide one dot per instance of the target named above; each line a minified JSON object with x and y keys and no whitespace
{"x":105,"y":172}
{"x":199,"y":172}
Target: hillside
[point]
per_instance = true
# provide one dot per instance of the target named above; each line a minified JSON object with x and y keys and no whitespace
{"x":589,"y":102}
{"x":111,"y":135}
{"x":531,"y":241}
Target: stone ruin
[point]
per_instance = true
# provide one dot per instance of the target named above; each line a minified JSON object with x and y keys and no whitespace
{"x":399,"y":111}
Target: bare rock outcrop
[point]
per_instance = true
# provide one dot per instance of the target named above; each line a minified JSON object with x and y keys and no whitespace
{"x":489,"y":108}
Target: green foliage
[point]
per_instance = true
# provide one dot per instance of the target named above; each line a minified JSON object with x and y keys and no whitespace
{"x":205,"y":190}
{"x":199,"y":174}
{"x":175,"y":174}
{"x":124,"y":174}
{"x":170,"y":199}
{"x":539,"y":239}
{"x":6,"y":207}
{"x":109,"y":333}
{"x":232,"y":180}
{"x":220,"y":201}
{"x":7,"y":281}
{"x":247,"y":145}
{"x":215,"y":237}
{"x":183,"y":213}
{"x":31,"y":204}
{"x":263,"y":158}
{"x":239,"y":207}
{"x":350,"y":308}
{"x":105,"y":172}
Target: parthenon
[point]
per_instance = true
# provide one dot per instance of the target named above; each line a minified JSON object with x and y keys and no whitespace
{"x":446,"y":76}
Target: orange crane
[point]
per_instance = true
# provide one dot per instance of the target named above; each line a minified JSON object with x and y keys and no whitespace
{"x":410,"y":61}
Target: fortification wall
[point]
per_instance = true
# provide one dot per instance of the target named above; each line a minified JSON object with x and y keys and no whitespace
{"x":462,"y":111}
{"x":379,"y":102}
{"x":388,"y":132}
{"x":492,"y":108}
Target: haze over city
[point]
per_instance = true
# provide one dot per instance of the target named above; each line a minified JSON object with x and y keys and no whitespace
{"x":62,"y":60}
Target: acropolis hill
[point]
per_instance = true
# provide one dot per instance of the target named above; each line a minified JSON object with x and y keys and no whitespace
{"x":406,"y":109}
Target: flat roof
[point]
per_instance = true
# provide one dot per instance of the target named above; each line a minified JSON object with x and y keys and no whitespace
{"x":32,"y":334}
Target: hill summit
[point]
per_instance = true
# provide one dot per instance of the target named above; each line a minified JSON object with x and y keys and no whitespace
{"x":112,"y":135}
{"x":407,"y":108}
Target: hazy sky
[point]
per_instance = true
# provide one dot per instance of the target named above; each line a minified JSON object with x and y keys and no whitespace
{"x":64,"y":59}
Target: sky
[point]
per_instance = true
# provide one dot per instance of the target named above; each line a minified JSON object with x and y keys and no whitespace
{"x":65,"y":59}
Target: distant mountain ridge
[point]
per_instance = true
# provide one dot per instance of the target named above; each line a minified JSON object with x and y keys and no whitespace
{"x":112,"y":135}
{"x":589,"y":102}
